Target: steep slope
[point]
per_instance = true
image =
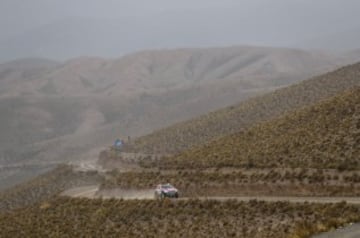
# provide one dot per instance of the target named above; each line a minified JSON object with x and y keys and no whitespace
{"x":325,"y":135}
{"x":233,"y":119}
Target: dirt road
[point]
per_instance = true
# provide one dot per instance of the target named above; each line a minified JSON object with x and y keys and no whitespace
{"x":84,"y":192}
{"x":93,"y":192}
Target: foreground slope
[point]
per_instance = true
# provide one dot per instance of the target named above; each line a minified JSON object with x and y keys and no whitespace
{"x":65,"y":217}
{"x":233,"y":119}
{"x":325,"y":135}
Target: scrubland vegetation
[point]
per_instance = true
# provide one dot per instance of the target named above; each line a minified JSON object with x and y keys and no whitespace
{"x":64,"y":217}
{"x":325,"y":135}
{"x":45,"y":187}
{"x":312,"y":151}
{"x":274,"y":182}
{"x":185,"y":135}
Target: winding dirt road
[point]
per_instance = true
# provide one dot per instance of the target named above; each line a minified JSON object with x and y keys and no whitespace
{"x":94,"y":192}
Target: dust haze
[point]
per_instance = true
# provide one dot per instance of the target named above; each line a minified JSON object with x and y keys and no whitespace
{"x":75,"y":75}
{"x":67,"y":29}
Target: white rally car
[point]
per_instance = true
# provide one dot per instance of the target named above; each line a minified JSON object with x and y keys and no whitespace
{"x":166,"y":191}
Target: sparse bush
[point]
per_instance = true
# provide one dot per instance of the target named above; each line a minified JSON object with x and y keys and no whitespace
{"x":319,"y":136}
{"x":65,"y":217}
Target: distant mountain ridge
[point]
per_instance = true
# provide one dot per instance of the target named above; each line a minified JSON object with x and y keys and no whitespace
{"x":161,"y":70}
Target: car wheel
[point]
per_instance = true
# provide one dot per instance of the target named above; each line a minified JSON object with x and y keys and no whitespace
{"x":162,"y":196}
{"x":176,"y":195}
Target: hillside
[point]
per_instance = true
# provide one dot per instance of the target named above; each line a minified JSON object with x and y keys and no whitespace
{"x":236,"y":118}
{"x":324,"y":136}
{"x":312,"y":151}
{"x":54,"y":112}
{"x":65,"y":217}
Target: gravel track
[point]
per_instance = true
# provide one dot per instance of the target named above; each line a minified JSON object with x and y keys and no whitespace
{"x":94,"y":192}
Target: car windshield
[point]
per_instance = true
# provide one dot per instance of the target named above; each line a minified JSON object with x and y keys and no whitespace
{"x":166,"y":186}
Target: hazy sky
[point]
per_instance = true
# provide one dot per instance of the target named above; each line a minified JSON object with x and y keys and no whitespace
{"x":222,"y":22}
{"x":17,"y":16}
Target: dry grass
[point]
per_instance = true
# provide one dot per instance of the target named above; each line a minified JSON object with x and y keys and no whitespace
{"x":325,"y":135}
{"x":64,"y":217}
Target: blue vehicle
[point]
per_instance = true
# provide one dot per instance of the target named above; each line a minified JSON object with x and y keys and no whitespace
{"x":118,"y":144}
